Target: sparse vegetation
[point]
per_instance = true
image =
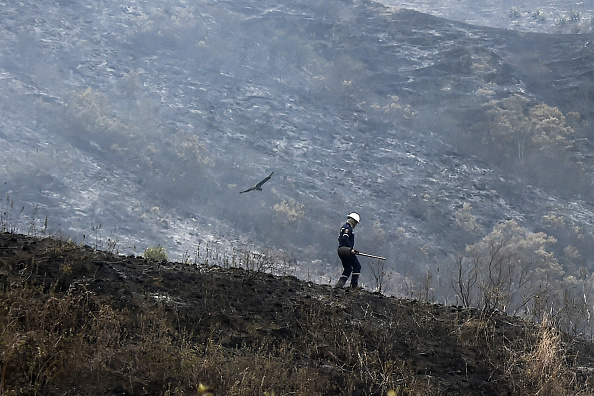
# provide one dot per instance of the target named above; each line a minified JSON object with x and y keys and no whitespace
{"x":533,"y":140}
{"x":507,"y":269}
{"x":466,"y":220}
{"x":156,"y":253}
{"x":289,"y":210}
{"x":92,"y":123}
{"x":380,"y":274}
{"x":575,"y":16}
{"x":7,"y":216}
{"x":515,"y":13}
{"x":539,"y":16}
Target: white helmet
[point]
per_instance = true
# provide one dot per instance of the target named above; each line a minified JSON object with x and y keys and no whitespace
{"x":354,"y":216}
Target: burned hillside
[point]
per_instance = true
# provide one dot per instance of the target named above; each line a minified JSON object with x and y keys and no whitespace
{"x":134,"y":326}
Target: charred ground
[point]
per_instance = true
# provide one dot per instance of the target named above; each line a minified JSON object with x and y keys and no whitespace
{"x":139,"y":327}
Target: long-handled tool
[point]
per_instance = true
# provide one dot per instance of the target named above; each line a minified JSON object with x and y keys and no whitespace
{"x":370,"y":255}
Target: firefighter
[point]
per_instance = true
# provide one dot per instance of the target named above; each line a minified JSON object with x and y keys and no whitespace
{"x":347,"y":252}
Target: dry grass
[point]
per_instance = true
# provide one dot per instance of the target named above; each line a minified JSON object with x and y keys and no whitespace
{"x":59,"y":336}
{"x":52,"y":339}
{"x":534,"y":361}
{"x":544,"y":365}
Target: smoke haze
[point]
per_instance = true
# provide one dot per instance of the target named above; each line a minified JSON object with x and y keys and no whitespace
{"x":141,"y":123}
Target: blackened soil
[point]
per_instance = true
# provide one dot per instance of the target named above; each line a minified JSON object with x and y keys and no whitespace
{"x":451,"y":349}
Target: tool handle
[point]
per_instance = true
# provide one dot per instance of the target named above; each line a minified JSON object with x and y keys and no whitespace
{"x":370,"y":255}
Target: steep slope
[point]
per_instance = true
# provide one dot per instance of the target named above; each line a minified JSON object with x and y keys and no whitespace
{"x":122,"y":122}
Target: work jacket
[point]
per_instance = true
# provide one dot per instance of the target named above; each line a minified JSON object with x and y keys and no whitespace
{"x":346,"y":236}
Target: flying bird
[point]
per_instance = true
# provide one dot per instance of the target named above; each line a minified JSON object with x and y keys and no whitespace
{"x":259,"y":185}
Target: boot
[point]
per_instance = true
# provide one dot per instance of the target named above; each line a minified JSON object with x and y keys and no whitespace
{"x":341,"y":282}
{"x":355,"y":281}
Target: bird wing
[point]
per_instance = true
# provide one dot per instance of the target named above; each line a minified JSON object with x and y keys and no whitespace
{"x":259,"y":185}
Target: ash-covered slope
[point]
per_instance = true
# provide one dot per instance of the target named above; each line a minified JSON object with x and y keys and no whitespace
{"x":130,"y":122}
{"x":544,"y":16}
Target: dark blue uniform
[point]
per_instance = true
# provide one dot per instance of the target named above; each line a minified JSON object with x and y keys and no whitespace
{"x":350,"y":263}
